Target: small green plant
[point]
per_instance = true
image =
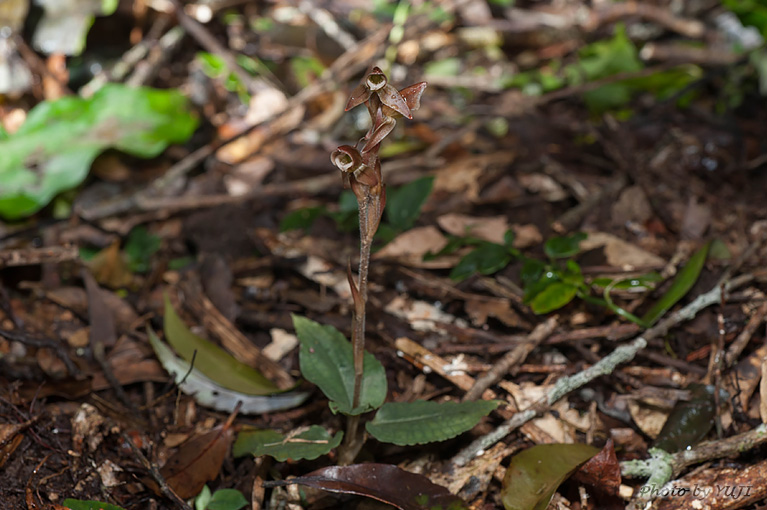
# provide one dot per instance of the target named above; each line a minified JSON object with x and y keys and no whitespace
{"x":551,"y":284}
{"x":353,"y":379}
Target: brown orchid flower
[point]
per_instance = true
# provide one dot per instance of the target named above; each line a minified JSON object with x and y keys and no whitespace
{"x":390,"y":97}
{"x":349,"y":160}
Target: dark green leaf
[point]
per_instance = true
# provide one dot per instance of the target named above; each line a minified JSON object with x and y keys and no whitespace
{"x":54,"y":148}
{"x":309,"y":444}
{"x":689,"y":421}
{"x":554,"y":296}
{"x":681,"y":285}
{"x":327,"y":360}
{"x":76,"y":504}
{"x":487,"y":258}
{"x":534,"y":474}
{"x":419,"y":422}
{"x":139,"y":247}
{"x":301,"y":218}
{"x":211,"y":360}
{"x":227,"y":499}
{"x":532,"y":271}
{"x":563,"y":247}
{"x":403,"y":205}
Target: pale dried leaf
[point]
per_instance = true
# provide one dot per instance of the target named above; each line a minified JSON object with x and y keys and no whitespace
{"x":491,"y":228}
{"x":620,"y":253}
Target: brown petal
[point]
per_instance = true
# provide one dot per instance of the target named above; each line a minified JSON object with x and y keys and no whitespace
{"x":365,"y":175}
{"x":359,"y":95}
{"x":383,"y":126}
{"x":412,"y":94}
{"x":392,"y":98}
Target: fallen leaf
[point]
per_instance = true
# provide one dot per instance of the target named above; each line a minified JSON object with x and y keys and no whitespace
{"x":620,"y":253}
{"x":383,"y":482}
{"x":602,"y":471}
{"x":410,"y":247}
{"x":491,"y":228}
{"x":535,"y":474}
{"x":198,"y":461}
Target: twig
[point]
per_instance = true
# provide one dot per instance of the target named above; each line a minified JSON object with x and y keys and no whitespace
{"x":605,"y":366}
{"x":512,"y":358}
{"x":35,"y":256}
{"x":57,"y":347}
{"x":744,"y":337}
{"x":165,"y":489}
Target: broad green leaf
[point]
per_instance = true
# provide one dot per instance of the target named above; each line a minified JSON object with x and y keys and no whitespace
{"x":326,"y":359}
{"x":227,"y":499}
{"x":301,"y":218}
{"x":403,"y":205}
{"x":487,"y":258}
{"x":563,"y":247}
{"x":77,"y":504}
{"x":309,"y":444}
{"x":681,"y":285}
{"x":554,"y":296}
{"x":54,"y":148}
{"x":208,"y":393}
{"x":689,"y":421}
{"x":534,"y":474}
{"x":211,"y":360}
{"x":409,"y":423}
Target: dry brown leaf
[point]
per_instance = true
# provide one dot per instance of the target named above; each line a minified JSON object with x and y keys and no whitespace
{"x":491,"y":228}
{"x":620,"y":253}
{"x":198,"y":461}
{"x":422,"y":316}
{"x":632,"y":206}
{"x":480,"y":309}
{"x":109,"y":267}
{"x":410,"y":247}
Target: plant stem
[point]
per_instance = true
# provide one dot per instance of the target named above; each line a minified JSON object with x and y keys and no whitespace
{"x":368,"y":210}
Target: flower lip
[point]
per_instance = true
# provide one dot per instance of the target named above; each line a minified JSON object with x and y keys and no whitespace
{"x":376,"y":81}
{"x":346,"y":158}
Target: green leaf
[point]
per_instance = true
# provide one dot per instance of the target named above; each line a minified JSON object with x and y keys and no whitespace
{"x":139,"y":247}
{"x":309,"y":444}
{"x":77,"y":504}
{"x":301,"y":218}
{"x":203,"y":498}
{"x":409,"y":423}
{"x":534,"y":474}
{"x":689,"y":421}
{"x":681,"y":285}
{"x":227,"y":499}
{"x":327,"y":360}
{"x":53,"y":150}
{"x":563,"y":247}
{"x":403,"y":205}
{"x":554,"y":296}
{"x":446,"y":67}
{"x":211,"y":360}
{"x":487,"y":258}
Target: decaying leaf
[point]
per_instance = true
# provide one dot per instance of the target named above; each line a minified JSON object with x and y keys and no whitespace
{"x":384,"y":482}
{"x":198,"y":461}
{"x":210,"y":394}
{"x":214,"y":362}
